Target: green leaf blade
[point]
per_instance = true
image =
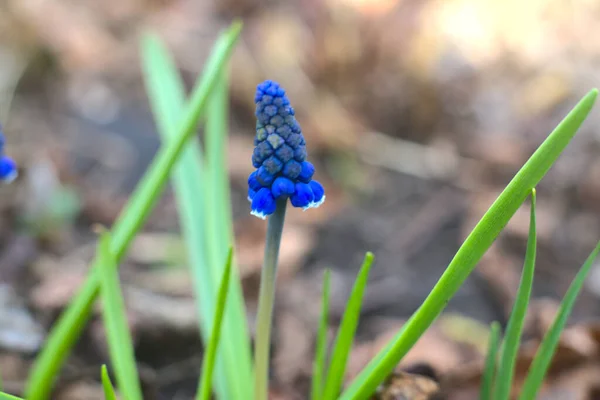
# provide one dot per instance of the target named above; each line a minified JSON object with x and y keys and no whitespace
{"x":514,"y":329}
{"x":321,"y":346}
{"x":208,"y":363}
{"x":71,"y":323}
{"x":545,"y":353}
{"x":476,"y":244}
{"x":219,"y":202}
{"x":237,"y":353}
{"x":109,"y":390}
{"x":6,"y":396}
{"x":120,"y":345}
{"x":164,"y":86}
{"x":202,"y":199}
{"x":487,"y":381}
{"x":345,"y":335}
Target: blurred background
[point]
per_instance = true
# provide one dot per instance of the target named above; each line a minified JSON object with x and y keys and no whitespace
{"x":416,"y":114}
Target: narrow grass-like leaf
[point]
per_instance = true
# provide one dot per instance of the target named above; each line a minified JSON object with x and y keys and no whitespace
{"x":514,"y":329}
{"x":220,"y":225}
{"x":545,"y":353}
{"x":219,"y":202}
{"x":202,"y":205}
{"x":346,"y":331}
{"x":109,"y":390}
{"x":208,"y":364}
{"x":120,"y":346}
{"x":487,"y":381}
{"x":321,"y":346}
{"x":6,"y":396}
{"x":73,"y":320}
{"x":471,"y":251}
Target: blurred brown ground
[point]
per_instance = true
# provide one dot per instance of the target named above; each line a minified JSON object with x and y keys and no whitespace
{"x":417,"y":113}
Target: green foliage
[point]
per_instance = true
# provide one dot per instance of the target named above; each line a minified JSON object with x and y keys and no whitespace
{"x":345,"y":335}
{"x":510,"y":347}
{"x":514,"y":329}
{"x":109,"y":390}
{"x":202,"y":194}
{"x":471,"y":251}
{"x":487,"y":381}
{"x":119,"y":341}
{"x":321,"y":347}
{"x":6,"y":396}
{"x":545,"y":352}
{"x":208,"y":365}
{"x":131,"y":219}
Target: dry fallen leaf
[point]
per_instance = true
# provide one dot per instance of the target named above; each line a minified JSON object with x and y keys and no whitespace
{"x":404,"y":386}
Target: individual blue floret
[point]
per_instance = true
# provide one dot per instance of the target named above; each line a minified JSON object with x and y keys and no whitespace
{"x":264,"y":177}
{"x":306,"y":172}
{"x":300,"y":153}
{"x":8,"y":169}
{"x":263,"y":203}
{"x":319,"y":194}
{"x":282,"y":187}
{"x":292,"y":169}
{"x":279,"y":156}
{"x":273,"y":165}
{"x":261,"y":133}
{"x":303,"y":195}
{"x":275,"y":140}
{"x":285,"y":153}
{"x":253,"y":182}
{"x":251,"y":194}
{"x":261,"y":152}
{"x":294,"y":140}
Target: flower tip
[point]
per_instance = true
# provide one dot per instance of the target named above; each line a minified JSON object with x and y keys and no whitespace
{"x":315,"y":204}
{"x":10,"y":177}
{"x":259,"y":214}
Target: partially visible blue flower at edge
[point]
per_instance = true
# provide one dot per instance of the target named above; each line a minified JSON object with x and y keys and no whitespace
{"x":8,"y":167}
{"x":279,"y":156}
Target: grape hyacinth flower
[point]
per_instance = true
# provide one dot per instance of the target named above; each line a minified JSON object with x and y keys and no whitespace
{"x":279,"y":156}
{"x":8,"y":167}
{"x":282,"y":173}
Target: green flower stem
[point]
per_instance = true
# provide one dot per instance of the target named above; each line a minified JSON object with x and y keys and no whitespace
{"x":266,"y":298}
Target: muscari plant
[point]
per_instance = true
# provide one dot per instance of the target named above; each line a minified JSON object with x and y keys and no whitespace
{"x":282,"y":172}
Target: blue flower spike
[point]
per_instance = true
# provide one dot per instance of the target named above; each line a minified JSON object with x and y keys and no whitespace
{"x":282,"y":173}
{"x":8,"y":167}
{"x":279,"y":156}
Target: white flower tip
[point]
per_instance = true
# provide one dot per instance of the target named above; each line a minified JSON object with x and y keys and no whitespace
{"x":10,"y":177}
{"x":259,"y":214}
{"x":315,"y":204}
